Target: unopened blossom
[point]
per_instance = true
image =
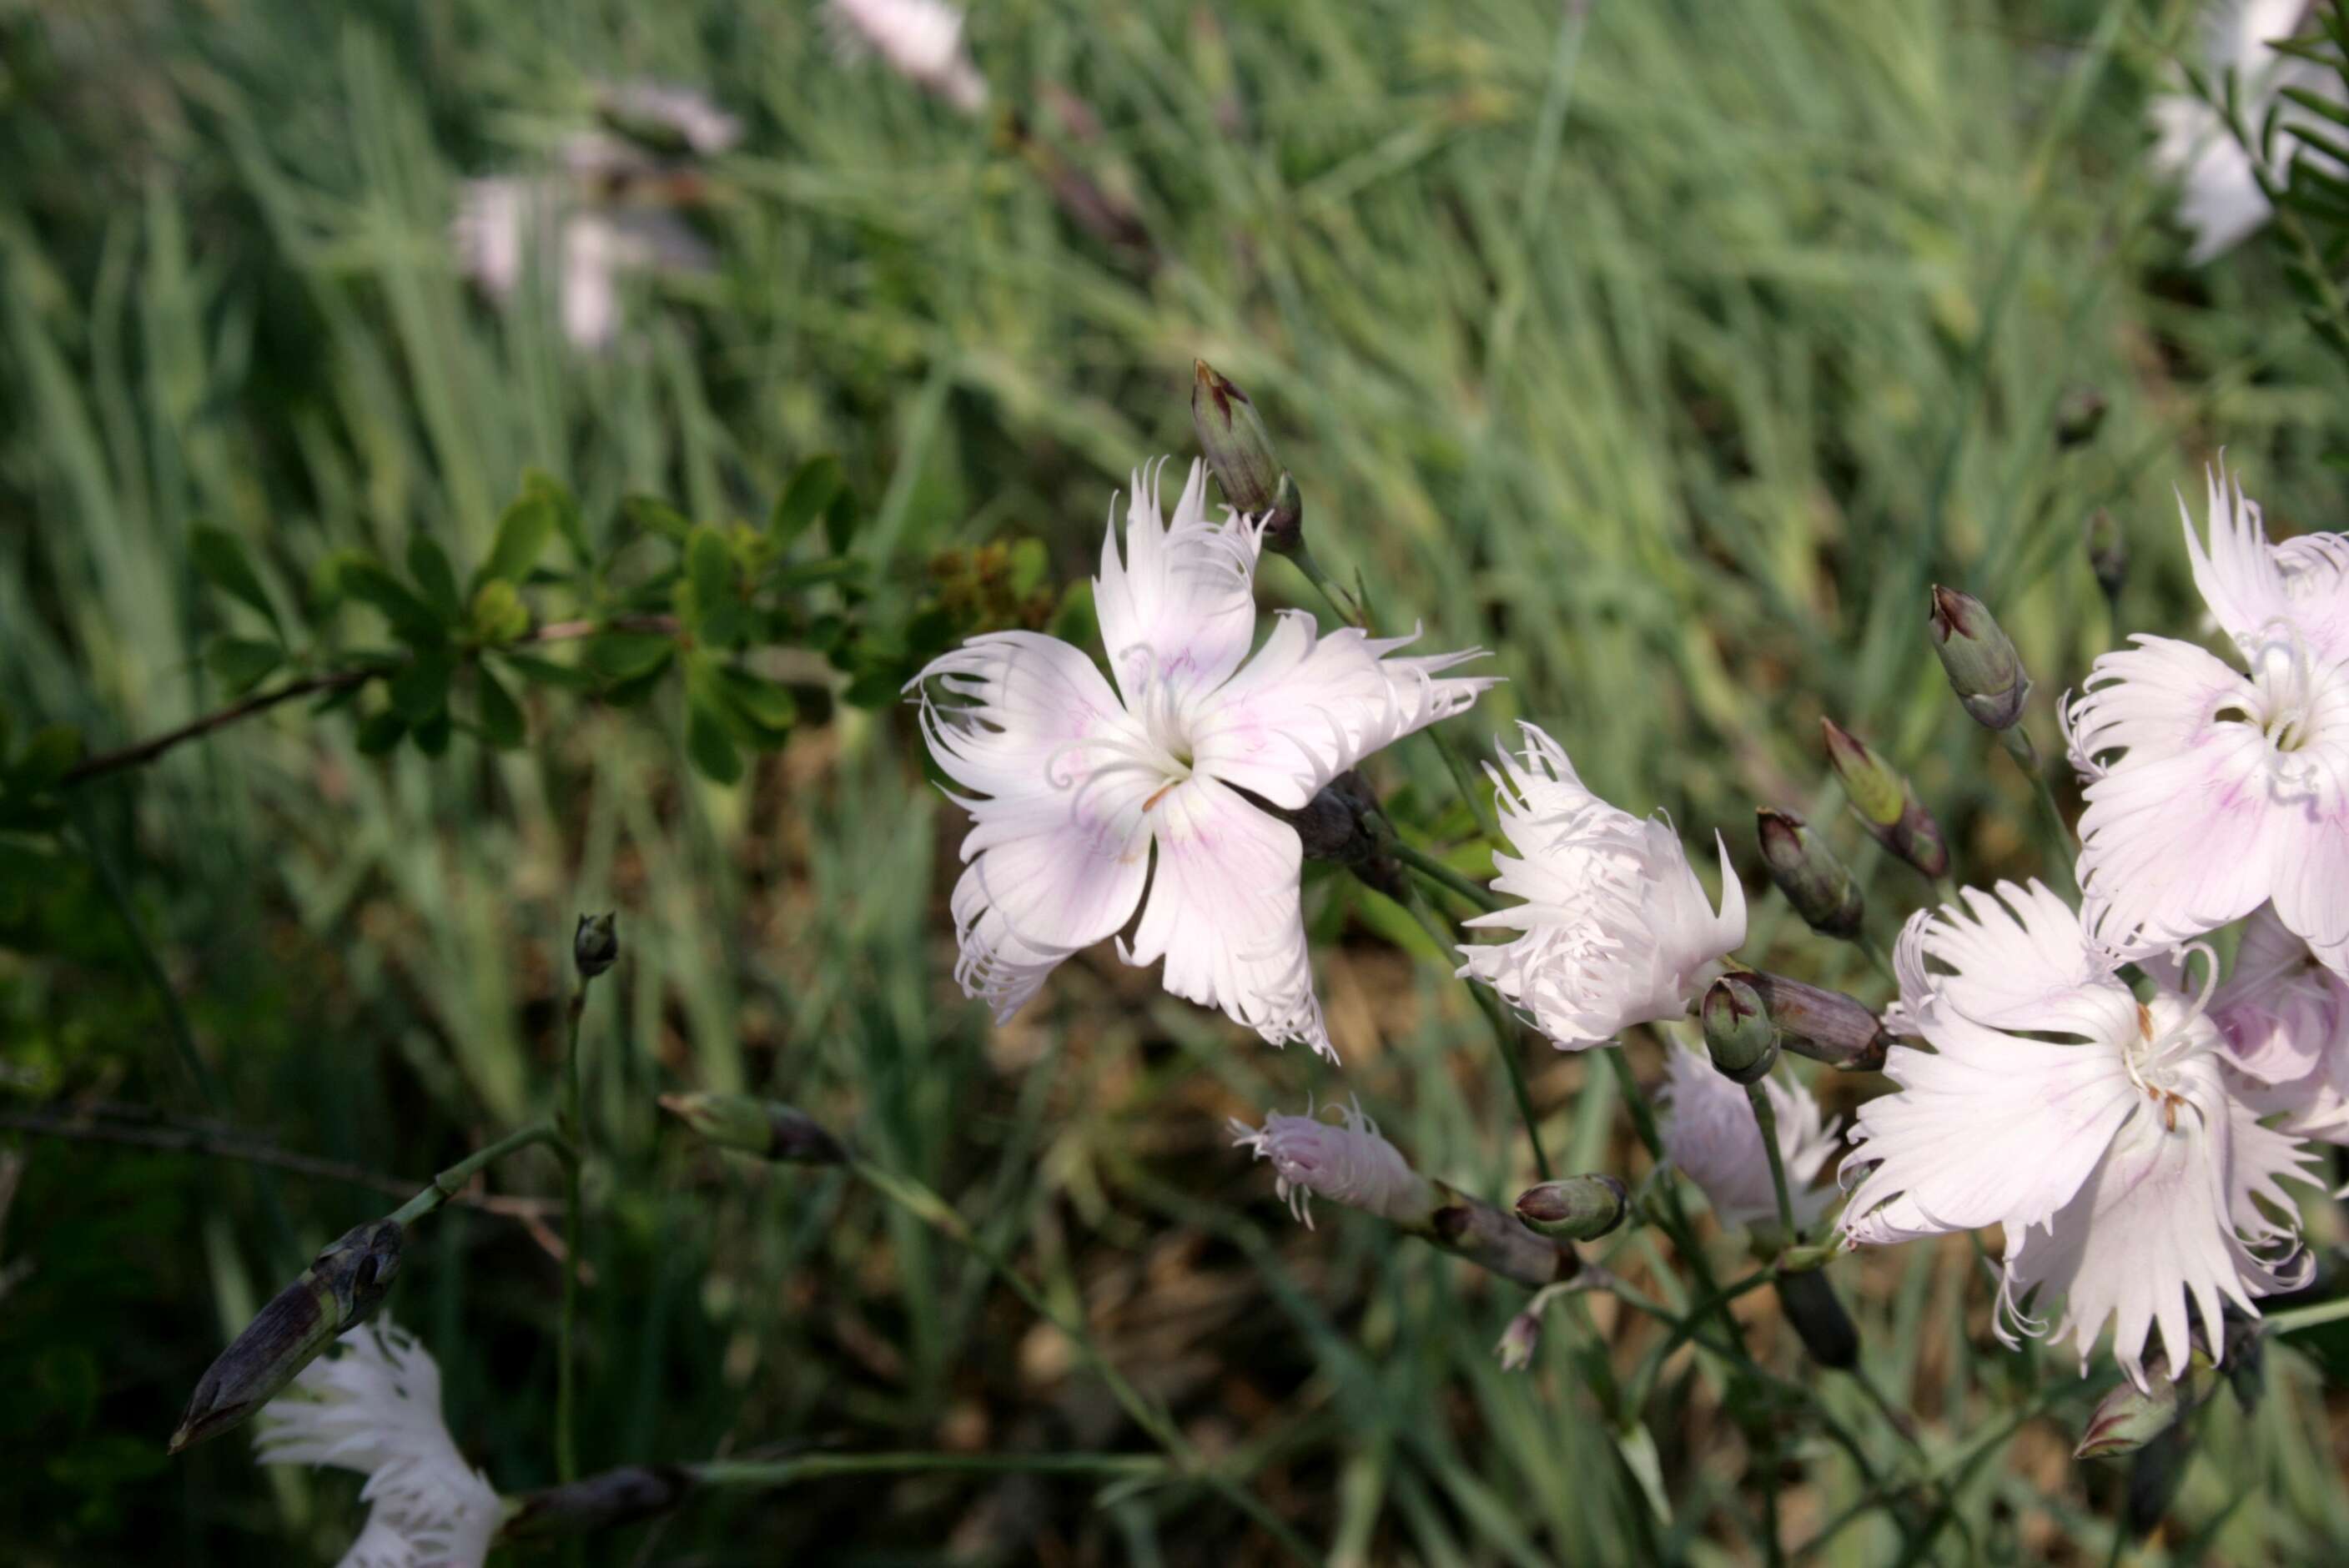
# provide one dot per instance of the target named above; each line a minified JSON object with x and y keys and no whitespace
{"x":1710,"y":1133}
{"x":1080,"y":785}
{"x":1617,"y":930}
{"x":921,"y":41}
{"x":2097,"y":1130}
{"x":2219,"y":199}
{"x":374,"y":1406}
{"x":1346,"y":1162}
{"x":2211,"y":791}
{"x":2283,"y":1019}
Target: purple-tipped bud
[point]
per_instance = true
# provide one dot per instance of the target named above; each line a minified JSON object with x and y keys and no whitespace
{"x":1812,"y":876}
{"x":1520,"y":1340}
{"x":596,"y":1504}
{"x":2079,"y":415}
{"x":1240,"y":449}
{"x":1818,"y":1318}
{"x":1575,"y":1208}
{"x":1885,"y":803}
{"x":2129,"y":1417}
{"x":766,"y":1128}
{"x":596,"y":944}
{"x":1983,"y":667}
{"x":1738,"y":1034}
{"x":1824,"y":1025}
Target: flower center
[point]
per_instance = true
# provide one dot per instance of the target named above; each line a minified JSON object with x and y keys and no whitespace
{"x":2171,"y":1031}
{"x":2285,"y":676}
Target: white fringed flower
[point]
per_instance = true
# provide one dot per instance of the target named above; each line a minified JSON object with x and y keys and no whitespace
{"x":2211,"y":791}
{"x":2096,"y":1129}
{"x":1079,"y":780}
{"x":921,"y":41}
{"x":1351,"y":1164}
{"x":1617,"y":927}
{"x":373,"y":1405}
{"x":2219,"y":199}
{"x":2284,"y":1019}
{"x":1710,"y":1133}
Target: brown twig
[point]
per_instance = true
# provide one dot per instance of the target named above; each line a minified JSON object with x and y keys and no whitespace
{"x":146,"y":751}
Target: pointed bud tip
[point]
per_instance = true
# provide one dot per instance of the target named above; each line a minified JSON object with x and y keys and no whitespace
{"x":1575,"y":1208}
{"x":1815,"y":880}
{"x":1738,"y":1034}
{"x":595,"y":944}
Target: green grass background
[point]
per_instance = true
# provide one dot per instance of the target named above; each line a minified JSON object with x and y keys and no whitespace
{"x":1672,"y":357}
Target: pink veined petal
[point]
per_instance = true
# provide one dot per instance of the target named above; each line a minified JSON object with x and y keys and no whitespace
{"x":2019,"y":961}
{"x":2315,"y":568}
{"x":1308,"y":707}
{"x":1179,"y":608}
{"x":2281,"y":1012}
{"x":2312,"y":832}
{"x":1224,"y":912}
{"x":2238,"y":573}
{"x":2177,"y":836}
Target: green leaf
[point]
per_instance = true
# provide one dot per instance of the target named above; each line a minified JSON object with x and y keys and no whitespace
{"x":522,"y":533}
{"x":714,"y":609}
{"x":381,"y":731}
{"x":421,"y":690}
{"x":240,"y":663}
{"x":219,"y":556}
{"x":831,"y":569}
{"x":1029,"y":563}
{"x":627,"y":656}
{"x":566,"y":506}
{"x":813,"y":487}
{"x":766,"y":707}
{"x":48,"y":752}
{"x":874,"y":688}
{"x":840,"y":520}
{"x":412,"y":620}
{"x":500,"y":716}
{"x":499,"y":616}
{"x":708,"y":745}
{"x":429,"y":564}
{"x":653,"y":515}
{"x":432,"y":735}
{"x":547,"y":671}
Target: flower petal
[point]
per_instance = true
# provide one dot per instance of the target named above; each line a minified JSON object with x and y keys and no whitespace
{"x":2238,"y":573}
{"x":1308,"y":707}
{"x":1180,"y":607}
{"x":2019,"y":961}
{"x":1224,"y":912}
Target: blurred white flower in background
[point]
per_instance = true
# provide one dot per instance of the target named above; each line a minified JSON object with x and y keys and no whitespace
{"x":2211,"y":791}
{"x":655,"y":110}
{"x":2284,"y":1019}
{"x":2220,"y":199}
{"x":921,"y":41}
{"x":373,"y":1405}
{"x":1078,"y":780}
{"x":1352,"y":1164}
{"x":1710,"y":1133}
{"x":2095,"y":1129}
{"x":1617,"y":930}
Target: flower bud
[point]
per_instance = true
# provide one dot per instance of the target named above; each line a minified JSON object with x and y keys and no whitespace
{"x":2107,"y":553}
{"x":2129,"y":1417}
{"x":1343,"y":823}
{"x":1983,"y":667}
{"x":1886,"y":804}
{"x":340,"y":1290}
{"x":1824,"y":1025}
{"x":596,"y":944}
{"x":1814,"y":879}
{"x":1240,"y":449}
{"x":597,"y":1502}
{"x":1738,"y":1033}
{"x":766,"y":1128}
{"x":2079,"y":415}
{"x":1576,"y":1208}
{"x":1520,"y":1340}
{"x":1818,"y":1319}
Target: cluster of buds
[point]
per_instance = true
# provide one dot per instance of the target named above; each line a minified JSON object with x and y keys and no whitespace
{"x":1240,"y":449}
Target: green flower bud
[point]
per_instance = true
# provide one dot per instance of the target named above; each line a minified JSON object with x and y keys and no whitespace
{"x":1885,"y":803}
{"x":1824,"y":1025}
{"x":340,"y":1290}
{"x":1574,"y":1209}
{"x":1738,"y":1033}
{"x":1240,"y":449}
{"x":1815,"y":880}
{"x":2128,"y":1417}
{"x":596,"y":944}
{"x":1984,"y":670}
{"x":1818,"y":1319}
{"x":2079,"y":415}
{"x":1519,"y":1341}
{"x":766,"y":1128}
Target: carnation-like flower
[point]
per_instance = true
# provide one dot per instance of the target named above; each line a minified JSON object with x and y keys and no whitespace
{"x":373,"y":1405}
{"x":1351,"y":1164}
{"x":921,"y":41}
{"x":2283,"y":1019}
{"x":1079,"y":780}
{"x":2219,"y":199}
{"x":1710,"y":1132}
{"x":1617,"y":930}
{"x":2095,"y":1129}
{"x":2211,"y":791}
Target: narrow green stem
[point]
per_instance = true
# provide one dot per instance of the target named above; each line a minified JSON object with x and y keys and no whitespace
{"x":451,"y":1181}
{"x":2300,"y":1318}
{"x":1765,"y":1115}
{"x":817,"y":1467}
{"x":1686,"y":1326}
{"x":566,"y":1437}
{"x":1333,"y":594}
{"x":175,"y":1017}
{"x":1444,"y":877}
{"x":2061,"y":846}
{"x":1496,"y":1014}
{"x":1874,"y":950}
{"x":1674,"y":1222}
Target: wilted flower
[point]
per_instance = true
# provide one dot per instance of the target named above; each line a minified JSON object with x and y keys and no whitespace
{"x":375,"y":1408}
{"x":1710,"y":1133}
{"x":2129,"y":1183}
{"x":1348,"y":1163}
{"x":1079,"y":780}
{"x":921,"y":41}
{"x":2221,"y":200}
{"x":2209,"y":792}
{"x":2283,"y":1019}
{"x":1617,"y":930}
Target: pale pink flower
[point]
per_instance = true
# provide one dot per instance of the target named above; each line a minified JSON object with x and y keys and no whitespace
{"x":921,"y":41}
{"x":2211,"y":791}
{"x":1617,"y":928}
{"x":373,"y":1405}
{"x":1710,"y":1133}
{"x":2095,"y":1129}
{"x":2283,"y":1021}
{"x":1352,"y":1164}
{"x":1078,"y":780}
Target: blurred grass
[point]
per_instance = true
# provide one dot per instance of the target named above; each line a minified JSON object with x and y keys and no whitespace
{"x":1672,"y":358}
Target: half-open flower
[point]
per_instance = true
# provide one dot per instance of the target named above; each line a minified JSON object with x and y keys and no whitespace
{"x":2283,"y":1019}
{"x":1078,"y":782}
{"x":1349,"y":1163}
{"x":1710,"y":1132}
{"x":2096,"y":1129}
{"x":1617,"y":930}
